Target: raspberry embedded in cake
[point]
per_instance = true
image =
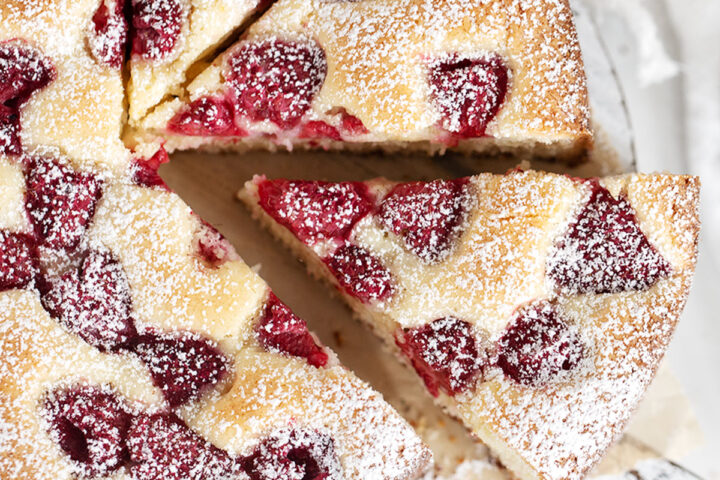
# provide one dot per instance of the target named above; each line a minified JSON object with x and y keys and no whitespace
{"x":280,"y":329}
{"x":427,"y":215}
{"x":360,"y":273}
{"x":318,"y":129}
{"x":538,"y":344}
{"x":315,"y":211}
{"x":350,"y":124}
{"x":23,"y":71}
{"x":93,"y":302}
{"x":294,"y":454}
{"x":162,"y":447}
{"x":209,"y":116}
{"x":594,"y":353}
{"x":182,"y":365}
{"x":156,"y":27}
{"x":144,"y":171}
{"x":467,"y":92}
{"x":60,"y":201}
{"x":276,"y":79}
{"x":18,"y":260}
{"x":89,"y":423}
{"x":9,"y":131}
{"x":604,"y":250}
{"x":445,"y":353}
{"x":107,"y":37}
{"x":213,"y":249}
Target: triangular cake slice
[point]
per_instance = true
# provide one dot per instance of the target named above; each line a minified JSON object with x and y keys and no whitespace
{"x":534,"y":306}
{"x":169,"y":37}
{"x":502,"y":75}
{"x":136,"y":344}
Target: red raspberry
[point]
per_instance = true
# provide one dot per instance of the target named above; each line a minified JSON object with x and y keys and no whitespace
{"x":445,"y":353}
{"x":276,"y":80}
{"x":94,"y":302}
{"x":210,"y":116}
{"x":213,"y":248}
{"x":162,"y":447}
{"x":352,"y":125}
{"x":604,"y":250}
{"x":108,"y":36}
{"x":18,"y":262}
{"x":427,"y":215}
{"x":182,"y":365}
{"x":280,"y":329}
{"x":319,"y":129}
{"x":468,"y":92}
{"x":23,"y":71}
{"x":537,"y":345}
{"x":294,"y":455}
{"x":90,"y":424}
{"x":61,"y":202}
{"x":156,"y":27}
{"x":315,"y":211}
{"x":360,"y":274}
{"x":145,"y":171}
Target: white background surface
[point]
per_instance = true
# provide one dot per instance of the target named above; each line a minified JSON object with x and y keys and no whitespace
{"x":676,"y":122}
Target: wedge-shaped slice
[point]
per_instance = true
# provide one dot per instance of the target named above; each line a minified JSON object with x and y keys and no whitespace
{"x":535,"y":307}
{"x":502,"y":75}
{"x":135,"y":343}
{"x":171,"y":36}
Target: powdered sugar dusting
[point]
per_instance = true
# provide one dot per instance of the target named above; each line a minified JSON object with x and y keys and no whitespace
{"x":38,"y":357}
{"x":377,"y":51}
{"x":468,"y":92}
{"x":23,"y":71}
{"x":183,"y":324}
{"x":440,"y":78}
{"x":428,"y":216}
{"x":79,"y":113}
{"x":269,"y":391}
{"x":575,"y":420}
{"x":563,"y":375}
{"x":294,"y":455}
{"x":276,"y":80}
{"x":604,"y":250}
{"x":124,"y":290}
{"x":107,"y":34}
{"x":156,"y":27}
{"x":316,"y":211}
{"x":445,"y":353}
{"x":93,"y":301}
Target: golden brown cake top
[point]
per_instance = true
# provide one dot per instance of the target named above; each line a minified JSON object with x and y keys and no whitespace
{"x":378,"y":53}
{"x":536,"y":307}
{"x":129,"y":324}
{"x":499,"y":75}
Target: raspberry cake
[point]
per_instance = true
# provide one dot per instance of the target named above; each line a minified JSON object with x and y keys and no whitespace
{"x":134,"y":342}
{"x":169,"y":37}
{"x":502,"y":75}
{"x":534,"y":306}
